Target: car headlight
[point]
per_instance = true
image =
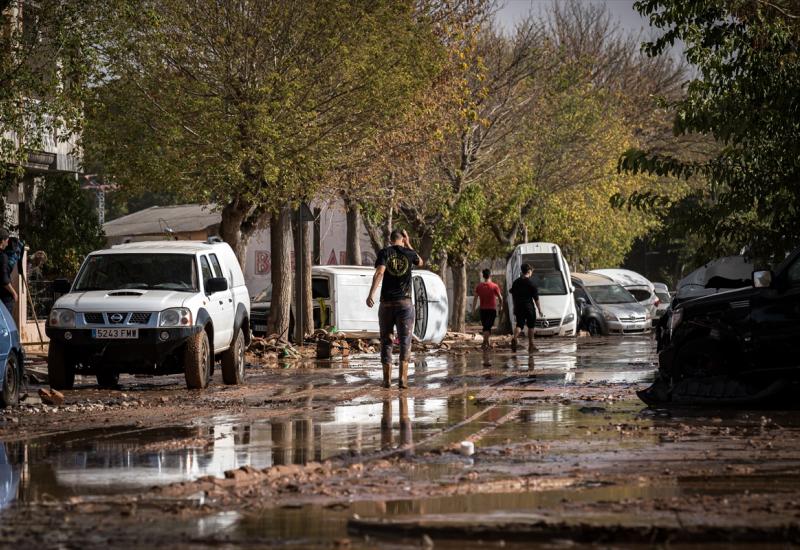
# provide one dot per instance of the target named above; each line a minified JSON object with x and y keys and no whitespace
{"x":62,"y":318}
{"x":675,"y":320}
{"x":609,"y":316}
{"x":568,"y":319}
{"x":175,"y":317}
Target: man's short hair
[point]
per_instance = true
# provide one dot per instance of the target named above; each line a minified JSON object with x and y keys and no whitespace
{"x":4,"y":234}
{"x":487,"y":273}
{"x":526,"y":268}
{"x":396,"y":235}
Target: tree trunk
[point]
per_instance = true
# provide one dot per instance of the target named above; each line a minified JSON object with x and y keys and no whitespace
{"x":441,"y":269}
{"x":280,"y":226}
{"x":458,"y":321}
{"x":353,"y":232}
{"x":304,"y":231}
{"x":230,"y":230}
{"x":426,"y":247}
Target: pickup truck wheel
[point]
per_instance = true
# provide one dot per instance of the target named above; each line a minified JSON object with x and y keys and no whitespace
{"x":233,"y":361}
{"x":197,"y":361}
{"x":10,"y":394}
{"x":107,"y":379}
{"x":60,"y":367}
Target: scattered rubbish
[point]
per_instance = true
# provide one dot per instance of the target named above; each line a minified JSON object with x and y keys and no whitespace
{"x":467,"y":448}
{"x":51,"y":397}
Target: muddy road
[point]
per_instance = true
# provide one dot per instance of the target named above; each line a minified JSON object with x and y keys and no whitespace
{"x":318,"y":455}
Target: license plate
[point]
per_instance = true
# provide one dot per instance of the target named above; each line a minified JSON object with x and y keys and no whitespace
{"x":260,"y":328}
{"x":115,"y":333}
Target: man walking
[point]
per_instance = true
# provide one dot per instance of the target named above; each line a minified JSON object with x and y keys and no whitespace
{"x":490,"y":299}
{"x":7,"y":293}
{"x":525,"y":295}
{"x":393,"y":267}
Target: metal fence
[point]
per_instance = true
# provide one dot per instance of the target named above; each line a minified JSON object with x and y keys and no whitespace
{"x":42,"y":297}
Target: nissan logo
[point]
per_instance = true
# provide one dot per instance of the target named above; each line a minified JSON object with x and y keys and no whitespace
{"x":116,"y":317}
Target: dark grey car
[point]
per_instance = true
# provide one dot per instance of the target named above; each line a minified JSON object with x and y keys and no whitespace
{"x":605,"y":307}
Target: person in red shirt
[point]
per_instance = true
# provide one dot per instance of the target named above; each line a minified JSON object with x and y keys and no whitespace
{"x":490,"y":299}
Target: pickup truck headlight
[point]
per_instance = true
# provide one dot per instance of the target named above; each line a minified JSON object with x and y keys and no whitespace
{"x":62,"y":318}
{"x":175,"y":317}
{"x":675,"y":320}
{"x":609,"y":316}
{"x":568,"y":319}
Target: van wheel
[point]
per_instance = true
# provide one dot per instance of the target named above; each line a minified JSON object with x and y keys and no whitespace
{"x":107,"y":379}
{"x":233,"y":361}
{"x":197,"y":361}
{"x":10,"y":394}
{"x":60,"y":367}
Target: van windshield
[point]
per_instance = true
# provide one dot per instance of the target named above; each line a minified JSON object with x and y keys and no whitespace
{"x":138,"y":271}
{"x":610,"y":294}
{"x":549,"y":284}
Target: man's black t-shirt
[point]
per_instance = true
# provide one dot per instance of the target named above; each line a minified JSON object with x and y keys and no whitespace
{"x":523,"y":290}
{"x":397,"y":277}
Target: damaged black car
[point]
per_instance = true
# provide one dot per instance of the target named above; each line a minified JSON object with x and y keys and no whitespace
{"x":739,"y":347}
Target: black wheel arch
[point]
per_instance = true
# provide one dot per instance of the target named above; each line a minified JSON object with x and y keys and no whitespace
{"x":204,"y":320}
{"x":242,"y":321}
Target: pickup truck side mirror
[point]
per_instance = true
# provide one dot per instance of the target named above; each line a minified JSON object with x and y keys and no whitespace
{"x":762,"y":279}
{"x":61,"y":286}
{"x":216,"y":284}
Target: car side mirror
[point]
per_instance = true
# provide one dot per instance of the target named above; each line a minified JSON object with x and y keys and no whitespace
{"x":216,"y":284}
{"x":762,"y":279}
{"x":581,"y":302}
{"x":61,"y":286}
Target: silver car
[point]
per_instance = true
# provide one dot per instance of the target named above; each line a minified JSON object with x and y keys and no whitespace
{"x":605,"y":307}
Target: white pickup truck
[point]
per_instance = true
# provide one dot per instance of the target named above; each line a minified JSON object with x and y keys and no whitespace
{"x":161,"y":307}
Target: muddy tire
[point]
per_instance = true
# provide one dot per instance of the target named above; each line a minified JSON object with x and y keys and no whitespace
{"x":197,"y":361}
{"x":107,"y":378}
{"x":594,"y":327}
{"x":60,"y":367}
{"x":233,"y":360}
{"x":11,"y":382}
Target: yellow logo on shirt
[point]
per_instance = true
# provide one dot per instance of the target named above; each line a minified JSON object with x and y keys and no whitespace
{"x":397,"y":265}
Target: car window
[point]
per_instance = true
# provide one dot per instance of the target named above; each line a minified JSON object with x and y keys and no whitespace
{"x":205,"y":269}
{"x":611,"y":294}
{"x":793,"y":273}
{"x":640,"y":294}
{"x":215,"y":265}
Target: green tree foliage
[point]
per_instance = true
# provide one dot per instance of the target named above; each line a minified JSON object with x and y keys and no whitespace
{"x":249,"y":103}
{"x":64,"y":225}
{"x":46,"y":60}
{"x":746,"y":95}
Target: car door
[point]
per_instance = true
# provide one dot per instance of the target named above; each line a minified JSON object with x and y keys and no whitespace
{"x":219,"y":308}
{"x":775,"y":320}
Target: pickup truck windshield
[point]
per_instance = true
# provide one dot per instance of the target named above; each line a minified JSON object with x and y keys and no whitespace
{"x":610,"y":294}
{"x":138,"y":271}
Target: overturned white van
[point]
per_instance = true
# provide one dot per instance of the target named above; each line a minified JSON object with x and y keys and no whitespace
{"x":340,"y":296}
{"x":553,"y":279}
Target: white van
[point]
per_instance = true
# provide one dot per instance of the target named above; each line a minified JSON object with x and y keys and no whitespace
{"x":340,"y":296}
{"x":553,"y":279}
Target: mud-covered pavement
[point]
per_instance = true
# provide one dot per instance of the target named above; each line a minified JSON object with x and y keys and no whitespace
{"x":318,"y":455}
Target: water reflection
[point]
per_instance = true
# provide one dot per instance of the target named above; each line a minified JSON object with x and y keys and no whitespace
{"x":406,"y":440}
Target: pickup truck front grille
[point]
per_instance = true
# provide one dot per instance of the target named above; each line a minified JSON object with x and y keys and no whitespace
{"x":94,"y":318}
{"x":117,"y":318}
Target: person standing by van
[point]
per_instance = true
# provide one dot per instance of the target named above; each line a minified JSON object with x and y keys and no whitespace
{"x":526,"y":295}
{"x":393,"y":267}
{"x":7,"y":293}
{"x":490,"y":299}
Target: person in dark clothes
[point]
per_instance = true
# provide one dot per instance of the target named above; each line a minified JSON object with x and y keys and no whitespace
{"x":7,"y":293}
{"x":526,"y":296}
{"x":490,"y":298}
{"x":393,"y":267}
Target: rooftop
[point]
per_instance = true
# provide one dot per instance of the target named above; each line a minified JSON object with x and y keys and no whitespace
{"x":155,"y":220}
